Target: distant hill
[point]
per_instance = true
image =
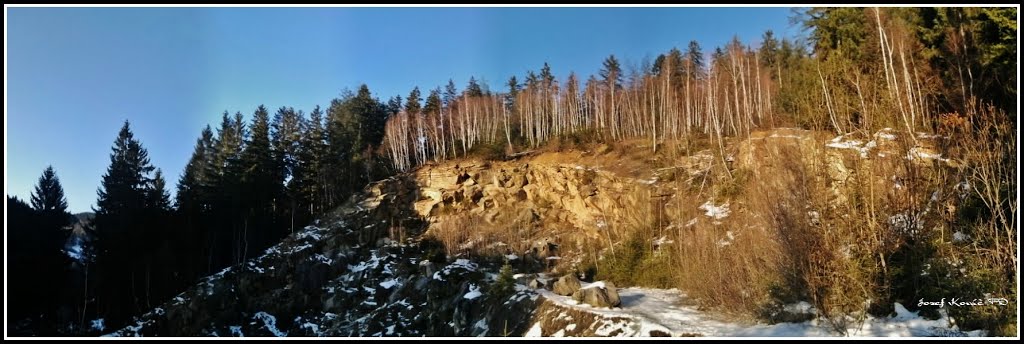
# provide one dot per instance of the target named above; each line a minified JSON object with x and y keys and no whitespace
{"x":85,"y":216}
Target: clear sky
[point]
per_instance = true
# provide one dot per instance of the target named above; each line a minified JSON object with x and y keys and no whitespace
{"x":73,"y":75}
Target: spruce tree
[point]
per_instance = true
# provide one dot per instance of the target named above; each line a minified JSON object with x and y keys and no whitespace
{"x":450,"y":93}
{"x":286,"y":136}
{"x":473,"y":89}
{"x":311,"y":171}
{"x":121,"y":227}
{"x":433,"y":104}
{"x":254,"y":226}
{"x":48,"y":196}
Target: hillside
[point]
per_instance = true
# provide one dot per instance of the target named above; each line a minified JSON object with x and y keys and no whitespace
{"x":420,"y":253}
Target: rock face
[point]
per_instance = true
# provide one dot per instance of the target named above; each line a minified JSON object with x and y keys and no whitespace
{"x":599,"y":294}
{"x":566,"y":285}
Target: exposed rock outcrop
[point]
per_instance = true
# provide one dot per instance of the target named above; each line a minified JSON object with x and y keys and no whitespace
{"x":600,"y":294}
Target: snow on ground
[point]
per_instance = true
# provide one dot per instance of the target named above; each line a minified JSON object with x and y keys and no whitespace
{"x":841,"y":143}
{"x":460,"y":263}
{"x":474,"y":292}
{"x":801,"y":307}
{"x":534,"y":331}
{"x":75,"y":252}
{"x":236,"y":331}
{"x":663,"y":240}
{"x":718,"y":212}
{"x":269,"y":322}
{"x":389,"y":283}
{"x":663,"y":310}
{"x":98,"y":325}
{"x":312,"y":327}
{"x":728,"y":240}
{"x":924,"y":154}
{"x":481,"y":324}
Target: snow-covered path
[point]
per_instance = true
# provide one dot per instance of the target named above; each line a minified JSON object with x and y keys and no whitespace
{"x":667,"y":311}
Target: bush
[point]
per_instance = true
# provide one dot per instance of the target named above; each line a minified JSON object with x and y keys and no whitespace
{"x":734,"y":186}
{"x":635,"y":264}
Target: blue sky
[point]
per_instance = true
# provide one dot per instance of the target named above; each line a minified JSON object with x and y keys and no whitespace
{"x":75,"y":74}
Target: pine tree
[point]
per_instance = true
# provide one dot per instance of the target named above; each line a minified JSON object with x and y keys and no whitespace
{"x":157,"y":197}
{"x":121,"y":227}
{"x":612,"y":73}
{"x":48,"y":196}
{"x":769,"y":51}
{"x":194,"y":202}
{"x":227,"y":191}
{"x":546,"y":77}
{"x":311,"y":173}
{"x":193,"y":193}
{"x":394,"y":105}
{"x":433,"y":104}
{"x":262,"y":187}
{"x":473,"y":89}
{"x":696,"y":58}
{"x":513,"y":89}
{"x":40,"y":235}
{"x":286,"y":135}
{"x":372,"y":116}
{"x":412,"y":103}
{"x":656,"y":68}
{"x":450,"y":93}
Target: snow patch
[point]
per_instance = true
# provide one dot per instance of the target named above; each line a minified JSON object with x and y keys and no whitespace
{"x":98,"y":325}
{"x":840,"y":143}
{"x":481,"y":324}
{"x":919,"y":153}
{"x":646,"y":309}
{"x":474,"y":292}
{"x":270,"y":323}
{"x":322,"y":258}
{"x":717,"y":212}
{"x":236,"y":331}
{"x":389,"y":283}
{"x":884,"y":134}
{"x":534,"y":331}
{"x":728,"y":241}
{"x":802,"y":307}
{"x":75,"y":252}
{"x":313,"y":328}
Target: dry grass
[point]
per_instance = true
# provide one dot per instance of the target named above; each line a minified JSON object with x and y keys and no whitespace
{"x":468,"y":234}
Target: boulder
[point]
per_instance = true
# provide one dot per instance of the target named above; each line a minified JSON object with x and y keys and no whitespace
{"x":598,"y":294}
{"x":567,"y":285}
{"x":613,"y":293}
